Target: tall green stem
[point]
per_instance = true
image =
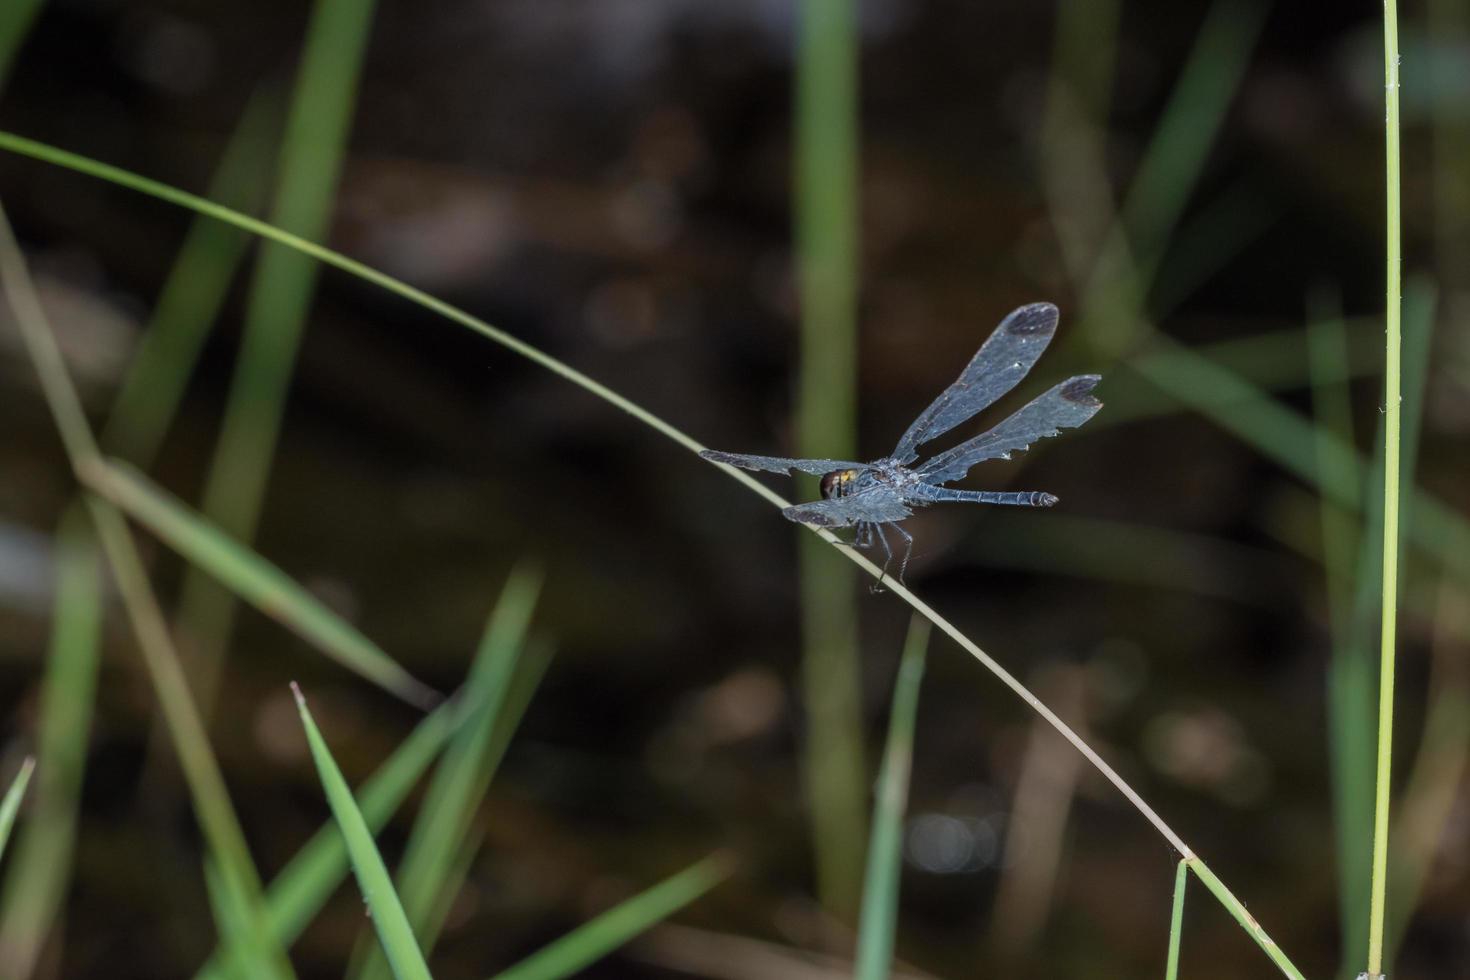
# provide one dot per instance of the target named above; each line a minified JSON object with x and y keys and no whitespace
{"x":826,"y":141}
{"x":1391,"y":424}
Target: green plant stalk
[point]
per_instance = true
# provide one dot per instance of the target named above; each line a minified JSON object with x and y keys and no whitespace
{"x":211,"y":799}
{"x":36,"y":883}
{"x":1176,"y":923}
{"x":588,"y":943}
{"x":387,"y":915}
{"x":1084,"y":53}
{"x":879,"y":920}
{"x":11,"y":804}
{"x":1391,"y":474}
{"x":826,"y":202}
{"x":191,"y":298}
{"x":1349,"y":673}
{"x":463,"y":776}
{"x":530,"y":668}
{"x":276,"y":309}
{"x":251,"y":577}
{"x":450,"y":312}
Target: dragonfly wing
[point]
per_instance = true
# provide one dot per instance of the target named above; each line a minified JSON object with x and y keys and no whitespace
{"x":877,"y":506}
{"x":1066,"y":406}
{"x":997,"y":367}
{"x":777,"y":464}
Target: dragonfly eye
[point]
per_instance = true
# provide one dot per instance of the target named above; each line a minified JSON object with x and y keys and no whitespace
{"x":837,"y":483}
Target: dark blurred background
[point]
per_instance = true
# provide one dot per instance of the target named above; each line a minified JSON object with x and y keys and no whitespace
{"x":612,"y":183}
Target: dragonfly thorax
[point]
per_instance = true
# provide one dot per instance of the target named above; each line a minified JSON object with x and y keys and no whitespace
{"x":839,"y":483}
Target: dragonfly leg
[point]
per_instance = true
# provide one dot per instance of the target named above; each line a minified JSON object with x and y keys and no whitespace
{"x":864,"y":536}
{"x":877,"y":586}
{"x":908,"y":550}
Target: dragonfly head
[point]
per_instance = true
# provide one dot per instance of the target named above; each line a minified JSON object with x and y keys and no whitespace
{"x":839,"y":483}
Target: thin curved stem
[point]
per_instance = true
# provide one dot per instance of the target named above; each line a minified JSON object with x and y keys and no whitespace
{"x":42,"y":151}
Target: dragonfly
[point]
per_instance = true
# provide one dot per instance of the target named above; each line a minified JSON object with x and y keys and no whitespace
{"x":873,"y":496}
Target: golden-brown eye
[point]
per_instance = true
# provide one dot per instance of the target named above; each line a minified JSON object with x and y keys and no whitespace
{"x":838,"y":483}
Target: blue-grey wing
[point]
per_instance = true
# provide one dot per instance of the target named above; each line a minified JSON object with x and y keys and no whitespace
{"x":997,"y":367}
{"x":877,"y":505}
{"x":1066,"y":406}
{"x":777,"y":464}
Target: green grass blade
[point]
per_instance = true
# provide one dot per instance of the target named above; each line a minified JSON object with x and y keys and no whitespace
{"x":212,"y":807}
{"x":588,"y":943}
{"x":826,"y":150}
{"x":16,"y":17}
{"x":1277,"y":360}
{"x":36,"y":883}
{"x":1205,"y":244}
{"x":280,"y":294}
{"x":463,"y":776}
{"x":11,"y":804}
{"x":1349,"y":683}
{"x":372,"y":876}
{"x":230,"y":924}
{"x":303,"y":886}
{"x":1293,"y":442}
{"x":1131,"y":553}
{"x":530,"y":668}
{"x":1428,"y":802}
{"x":1246,"y":920}
{"x":244,"y":956}
{"x":1098,"y":246}
{"x":251,"y":577}
{"x":306,"y":882}
{"x":1079,"y":92}
{"x":885,"y":848}
{"x":1175,"y":158}
{"x":455,"y":877}
{"x":1176,"y":922}
{"x":191,"y":298}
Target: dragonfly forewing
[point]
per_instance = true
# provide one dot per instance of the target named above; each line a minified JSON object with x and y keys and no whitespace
{"x":997,"y":367}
